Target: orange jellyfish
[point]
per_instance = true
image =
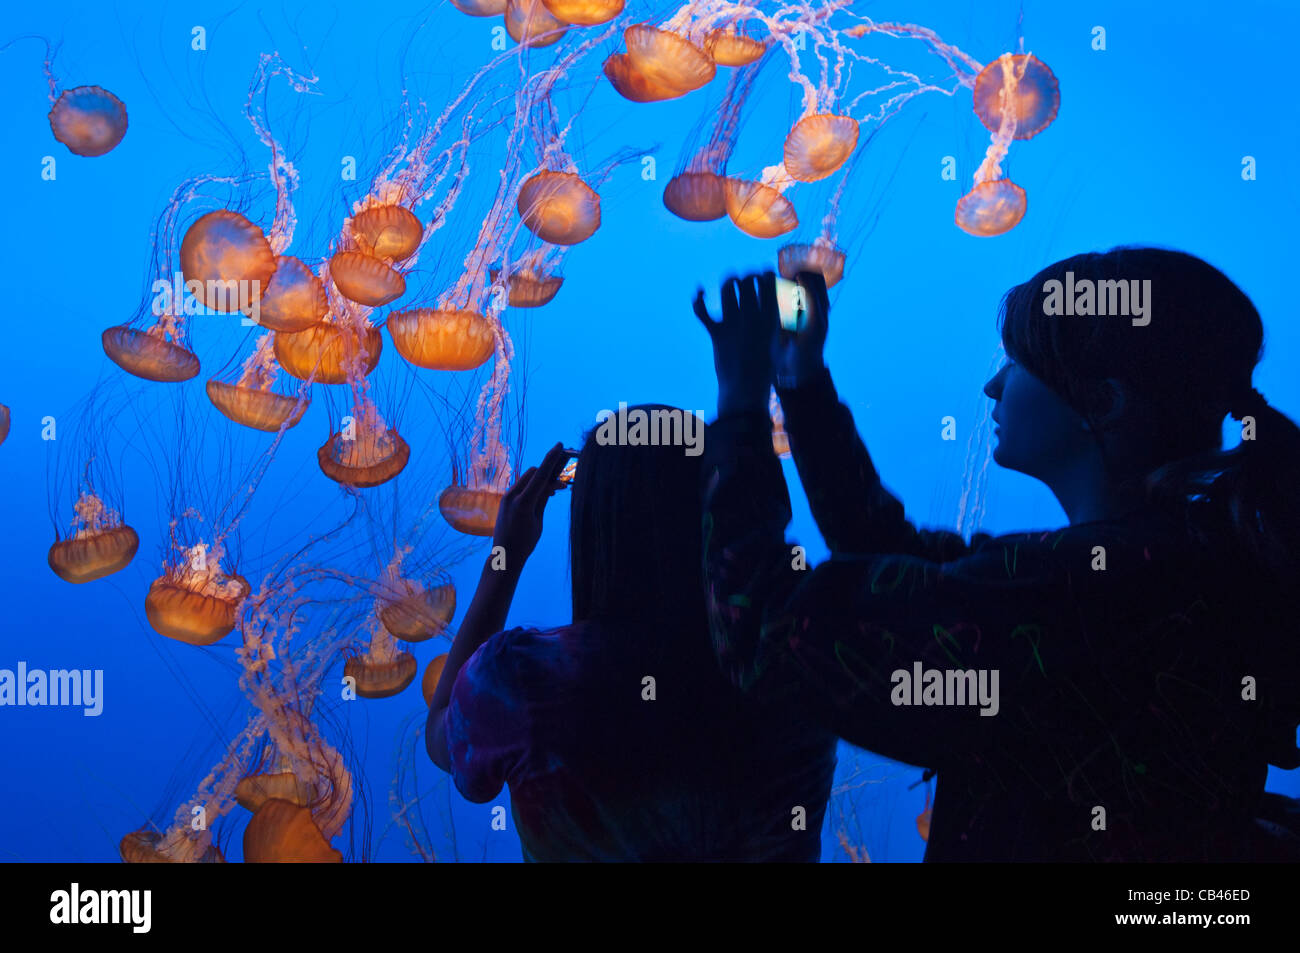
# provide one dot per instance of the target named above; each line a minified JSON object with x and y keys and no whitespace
{"x":226,"y":260}
{"x":414,"y":614}
{"x":387,"y":231}
{"x":759,"y":208}
{"x":585,"y":12}
{"x":818,"y":145}
{"x":254,"y":790}
{"x":295,"y":299}
{"x":250,"y":400}
{"x":632,"y":85}
{"x":1027,"y":84}
{"x":89,"y":120}
{"x":151,"y":847}
{"x":383,"y":670}
{"x":282,"y":832}
{"x":322,"y":352}
{"x":821,"y":255}
{"x":480,"y":8}
{"x":149,"y":354}
{"x":432,"y":672}
{"x":667,"y":59}
{"x":991,"y":208}
{"x":100,"y":545}
{"x":698,"y":192}
{"x":372,"y":454}
{"x":442,"y":339}
{"x":4,"y":422}
{"x":533,"y":280}
{"x":194,"y":601}
{"x":529,"y":23}
{"x":558,"y":207}
{"x":729,"y":47}
{"x":365,"y":279}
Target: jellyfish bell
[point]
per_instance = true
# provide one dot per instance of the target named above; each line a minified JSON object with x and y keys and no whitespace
{"x":632,"y":85}
{"x":197,"y":607}
{"x":432,"y":672}
{"x":819,"y":256}
{"x":1031,"y":88}
{"x":818,"y":145}
{"x":759,"y":209}
{"x":668,"y":59}
{"x":282,"y":832}
{"x":368,"y":458}
{"x":89,"y":120}
{"x":381,"y":678}
{"x":991,"y":208}
{"x":480,"y":8}
{"x":324,"y":352}
{"x":558,"y":207}
{"x":417,"y":616}
{"x":254,"y":790}
{"x":696,"y":196}
{"x":585,"y":12}
{"x":365,"y":279}
{"x":529,"y":287}
{"x":226,"y":256}
{"x":147,"y":847}
{"x":148,"y":355}
{"x":730,"y":48}
{"x":442,"y":339}
{"x":472,"y":511}
{"x":529,"y":23}
{"x":93,"y":554}
{"x":295,"y":299}
{"x":256,"y":408}
{"x":387,"y":231}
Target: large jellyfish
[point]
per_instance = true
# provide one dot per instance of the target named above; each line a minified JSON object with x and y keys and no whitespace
{"x":194,"y":600}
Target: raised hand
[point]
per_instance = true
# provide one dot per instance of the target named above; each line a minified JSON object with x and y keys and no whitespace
{"x":743,"y":341}
{"x":519,"y":520}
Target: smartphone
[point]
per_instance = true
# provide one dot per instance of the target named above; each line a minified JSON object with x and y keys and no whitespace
{"x":792,"y":303}
{"x":570,"y":469}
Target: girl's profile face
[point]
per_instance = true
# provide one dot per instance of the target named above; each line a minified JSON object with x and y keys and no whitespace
{"x":1037,"y":433}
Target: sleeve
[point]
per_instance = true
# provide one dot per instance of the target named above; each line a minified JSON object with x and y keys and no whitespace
{"x":854,"y":512}
{"x":834,"y":640}
{"x":485,"y":721}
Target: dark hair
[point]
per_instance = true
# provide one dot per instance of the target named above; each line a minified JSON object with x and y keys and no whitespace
{"x":1187,"y":368}
{"x":635,"y":534}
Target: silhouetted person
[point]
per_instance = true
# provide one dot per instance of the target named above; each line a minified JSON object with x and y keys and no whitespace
{"x":617,"y":734}
{"x":1147,"y":667}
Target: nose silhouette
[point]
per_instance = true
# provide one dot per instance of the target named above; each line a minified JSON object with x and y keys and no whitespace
{"x":993,"y":388}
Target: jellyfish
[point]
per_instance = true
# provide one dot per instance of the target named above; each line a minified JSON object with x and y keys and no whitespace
{"x":4,"y":423}
{"x":818,"y":145}
{"x":100,"y":544}
{"x":432,"y":672}
{"x":531,"y":23}
{"x":444,"y":339}
{"x":322,"y":352}
{"x":1025,"y":82}
{"x":533,"y":279}
{"x":730,"y":47}
{"x":414,"y":613}
{"x":383,"y":669}
{"x":365,"y":279}
{"x":480,"y":8}
{"x":250,"y":401}
{"x":698,"y":192}
{"x":295,"y":299}
{"x":667,"y":58}
{"x":558,"y":207}
{"x":585,"y":12}
{"x":281,"y":832}
{"x":369,"y":454}
{"x":254,"y":790}
{"x":194,"y":600}
{"x":222,"y":253}
{"x":759,"y":208}
{"x":631,"y":85}
{"x":89,"y":120}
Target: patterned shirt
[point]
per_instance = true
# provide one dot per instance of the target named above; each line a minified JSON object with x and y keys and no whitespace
{"x":1120,"y":647}
{"x":603,"y":765}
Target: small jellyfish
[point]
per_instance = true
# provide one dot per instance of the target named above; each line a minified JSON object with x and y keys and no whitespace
{"x":558,"y":207}
{"x":222,"y":251}
{"x":759,"y":210}
{"x":325,"y":351}
{"x":365,"y":279}
{"x":371,"y":456}
{"x":282,"y":832}
{"x":387,"y":231}
{"x":668,"y":59}
{"x":529,"y":23}
{"x":818,"y":145}
{"x":529,"y":287}
{"x":730,"y":48}
{"x":254,"y":790}
{"x":294,"y":300}
{"x":480,"y":8}
{"x":417,"y":614}
{"x":432,"y":672}
{"x":585,"y":12}
{"x":4,"y":422}
{"x":149,"y":355}
{"x":260,"y":409}
{"x":696,"y":196}
{"x":148,"y":847}
{"x":472,"y":511}
{"x":819,"y":255}
{"x":991,"y":208}
{"x":442,"y":339}
{"x":631,"y":85}
{"x":1024,"y":81}
{"x":195,"y":601}
{"x":89,"y":120}
{"x":100,"y":545}
{"x":383,"y":670}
